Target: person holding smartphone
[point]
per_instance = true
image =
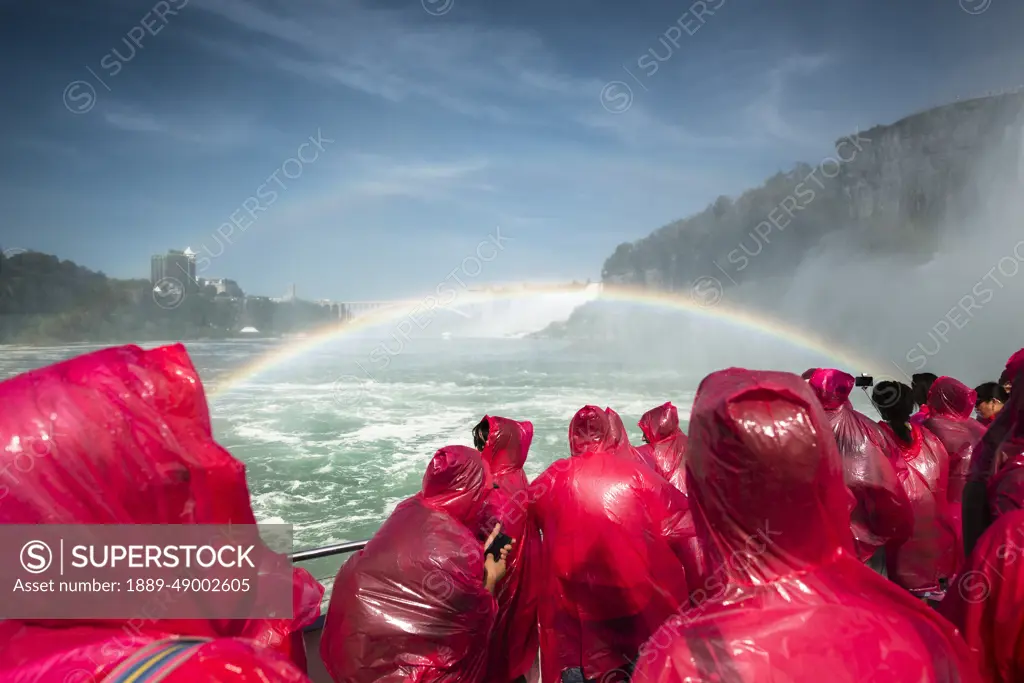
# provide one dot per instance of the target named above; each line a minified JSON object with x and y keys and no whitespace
{"x":883,"y":514}
{"x":417,"y":603}
{"x":504,"y":445}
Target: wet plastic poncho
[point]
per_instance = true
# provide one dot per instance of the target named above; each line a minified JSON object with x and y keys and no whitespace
{"x":666,"y":443}
{"x":412,"y":606}
{"x":952,"y":403}
{"x":1006,"y":488}
{"x":921,"y":416}
{"x":614,"y":537}
{"x":619,"y":440}
{"x":976,"y":511}
{"x":1014,"y":367}
{"x":787,"y":601}
{"x":513,"y":650}
{"x":883,"y":514}
{"x":130,"y":441}
{"x":987,"y":602}
{"x":666,"y":451}
{"x":985,"y":460}
{"x":932,"y":552}
{"x":221,"y":660}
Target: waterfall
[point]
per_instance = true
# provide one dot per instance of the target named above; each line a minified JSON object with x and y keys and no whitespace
{"x":517,"y":317}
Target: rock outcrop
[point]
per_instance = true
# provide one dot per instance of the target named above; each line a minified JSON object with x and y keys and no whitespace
{"x":891,"y":189}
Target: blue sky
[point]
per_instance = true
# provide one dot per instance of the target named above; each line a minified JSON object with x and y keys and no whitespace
{"x":447,"y":119}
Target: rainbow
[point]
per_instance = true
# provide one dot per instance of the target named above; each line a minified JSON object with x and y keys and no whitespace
{"x":719,"y":311}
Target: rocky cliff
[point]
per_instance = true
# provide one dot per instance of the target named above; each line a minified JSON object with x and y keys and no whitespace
{"x":906,"y":246}
{"x":891,"y":189}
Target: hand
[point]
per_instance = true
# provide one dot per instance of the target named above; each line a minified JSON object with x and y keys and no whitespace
{"x":494,"y":570}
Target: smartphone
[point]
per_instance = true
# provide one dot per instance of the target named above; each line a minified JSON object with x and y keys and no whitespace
{"x":494,"y":549}
{"x":573,"y":676}
{"x":865,"y":381}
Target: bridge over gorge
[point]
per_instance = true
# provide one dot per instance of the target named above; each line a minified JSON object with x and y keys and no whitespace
{"x":352,"y":310}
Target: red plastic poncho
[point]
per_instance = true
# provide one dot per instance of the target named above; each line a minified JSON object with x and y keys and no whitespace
{"x":976,"y":512}
{"x":666,"y":443}
{"x":1006,"y":488}
{"x":666,"y":449}
{"x":952,"y":403}
{"x":984,"y":462}
{"x":788,"y":602}
{"x":411,"y":605}
{"x":987,"y":601}
{"x":77,"y":655}
{"x":921,"y":416}
{"x":132,"y":431}
{"x":614,"y":535}
{"x":618,"y":440}
{"x":513,"y":650}
{"x":1014,"y":367}
{"x":883,"y":513}
{"x":932,"y":552}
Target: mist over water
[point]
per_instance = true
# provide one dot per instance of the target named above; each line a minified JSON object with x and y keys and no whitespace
{"x":958,"y":312}
{"x":946,"y":299}
{"x":605,"y":332}
{"x":511,"y":318}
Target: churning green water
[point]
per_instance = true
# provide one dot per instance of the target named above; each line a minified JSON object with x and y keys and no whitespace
{"x":331,"y":451}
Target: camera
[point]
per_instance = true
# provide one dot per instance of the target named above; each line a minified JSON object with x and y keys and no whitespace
{"x":865,"y":381}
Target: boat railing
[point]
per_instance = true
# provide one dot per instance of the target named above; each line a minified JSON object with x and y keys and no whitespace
{"x":325,"y":551}
{"x":328,"y":551}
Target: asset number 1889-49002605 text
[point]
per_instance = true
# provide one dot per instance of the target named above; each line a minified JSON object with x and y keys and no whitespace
{"x":148,"y":585}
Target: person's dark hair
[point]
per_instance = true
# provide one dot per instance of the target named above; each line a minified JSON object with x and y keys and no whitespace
{"x":480,"y":434}
{"x":895,"y":403}
{"x":990,"y":391}
{"x":921,"y":383}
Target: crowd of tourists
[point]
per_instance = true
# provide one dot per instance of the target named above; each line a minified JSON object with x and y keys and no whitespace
{"x":786,"y":537}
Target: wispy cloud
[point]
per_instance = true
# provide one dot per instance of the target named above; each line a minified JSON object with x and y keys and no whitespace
{"x":203,"y":131}
{"x":134,"y":122}
{"x":361,"y":179}
{"x":769,"y":113}
{"x":416,"y":179}
{"x":503,"y":75}
{"x":639,"y":125}
{"x":380,"y":52}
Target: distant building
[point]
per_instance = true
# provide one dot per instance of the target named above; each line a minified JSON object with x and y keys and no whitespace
{"x":176,"y":265}
{"x":225,"y":287}
{"x":287,"y":298}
